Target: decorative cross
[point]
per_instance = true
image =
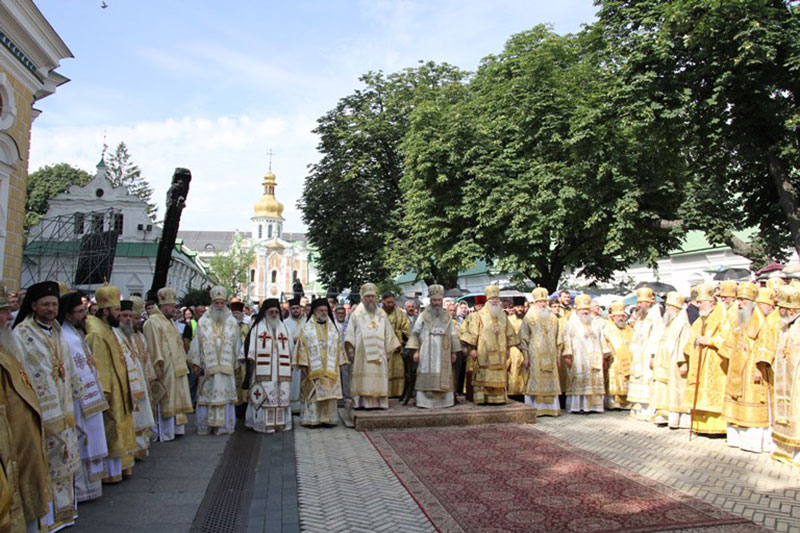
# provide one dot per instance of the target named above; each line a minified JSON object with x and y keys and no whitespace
{"x":257,"y":394}
{"x":264,"y":337}
{"x":283,"y":340}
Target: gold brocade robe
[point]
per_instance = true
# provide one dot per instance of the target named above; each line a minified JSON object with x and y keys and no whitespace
{"x":169,"y":360}
{"x":764,"y":348}
{"x":402,"y":330}
{"x":619,"y":370}
{"x":668,"y":387}
{"x":47,"y":361}
{"x":746,"y":402}
{"x":492,"y":337}
{"x":373,"y":339}
{"x":541,"y":341}
{"x":517,"y":376}
{"x":707,"y":373}
{"x":24,"y":463}
{"x":113,"y":373}
{"x":786,"y":426}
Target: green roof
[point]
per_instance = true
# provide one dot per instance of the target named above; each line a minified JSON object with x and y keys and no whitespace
{"x":695,"y":241}
{"x":478,"y":269}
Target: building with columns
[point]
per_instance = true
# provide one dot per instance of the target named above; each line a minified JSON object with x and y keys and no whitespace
{"x":30,"y":51}
{"x":280,"y":257}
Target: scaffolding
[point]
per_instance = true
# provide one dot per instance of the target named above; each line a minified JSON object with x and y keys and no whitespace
{"x":77,"y":248}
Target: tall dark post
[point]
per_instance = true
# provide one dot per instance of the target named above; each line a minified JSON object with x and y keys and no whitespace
{"x":176,"y":201}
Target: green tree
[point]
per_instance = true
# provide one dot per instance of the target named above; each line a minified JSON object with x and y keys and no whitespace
{"x":556,"y":181}
{"x":352,"y":197}
{"x":47,"y":182}
{"x":231,"y":270}
{"x":435,"y":235}
{"x":722,"y":82}
{"x":121,"y":170}
{"x":196,"y":297}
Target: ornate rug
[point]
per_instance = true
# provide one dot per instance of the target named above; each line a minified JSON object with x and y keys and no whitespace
{"x":516,"y":478}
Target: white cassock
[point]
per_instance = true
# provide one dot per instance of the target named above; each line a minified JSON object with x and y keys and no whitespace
{"x":143,"y":419}
{"x":644,"y":345}
{"x":89,"y":409}
{"x":436,"y":339}
{"x":268,"y":407}
{"x":587,"y":346}
{"x":294,"y":327}
{"x":215,"y":348}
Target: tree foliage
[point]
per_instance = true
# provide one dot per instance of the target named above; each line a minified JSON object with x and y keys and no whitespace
{"x":121,"y":170}
{"x":352,"y":196}
{"x":47,"y":182}
{"x":231,"y":270}
{"x":196,"y":297}
{"x":583,"y":152}
{"x":722,"y":81}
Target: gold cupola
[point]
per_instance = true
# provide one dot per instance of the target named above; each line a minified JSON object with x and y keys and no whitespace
{"x":268,"y":206}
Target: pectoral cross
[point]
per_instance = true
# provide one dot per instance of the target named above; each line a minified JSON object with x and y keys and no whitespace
{"x":257,"y":394}
{"x":264,"y":337}
{"x":283,"y":340}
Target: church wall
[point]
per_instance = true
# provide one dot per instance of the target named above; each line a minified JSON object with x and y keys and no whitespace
{"x":15,"y":183}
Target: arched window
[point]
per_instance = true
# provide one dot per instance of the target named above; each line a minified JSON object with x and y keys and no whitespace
{"x":274,"y":276}
{"x":260,"y":229}
{"x":269,"y":231}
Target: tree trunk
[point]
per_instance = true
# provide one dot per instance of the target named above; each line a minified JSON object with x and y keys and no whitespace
{"x":787,"y":197}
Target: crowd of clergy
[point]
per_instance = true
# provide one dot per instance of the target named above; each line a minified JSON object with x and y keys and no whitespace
{"x":84,"y":396}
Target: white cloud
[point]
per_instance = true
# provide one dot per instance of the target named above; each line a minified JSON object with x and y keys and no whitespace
{"x":227,"y":157}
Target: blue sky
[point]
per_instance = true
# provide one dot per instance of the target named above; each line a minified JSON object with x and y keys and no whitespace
{"x":214,"y":85}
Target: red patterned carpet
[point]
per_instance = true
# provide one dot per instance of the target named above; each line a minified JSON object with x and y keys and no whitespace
{"x":514,"y":478}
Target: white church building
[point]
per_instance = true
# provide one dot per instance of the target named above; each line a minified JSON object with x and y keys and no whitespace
{"x":85,"y":227}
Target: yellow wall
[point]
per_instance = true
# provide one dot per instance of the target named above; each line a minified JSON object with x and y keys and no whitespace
{"x":20,"y":131}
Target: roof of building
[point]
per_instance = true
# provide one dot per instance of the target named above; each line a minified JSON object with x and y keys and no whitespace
{"x":220,"y":241}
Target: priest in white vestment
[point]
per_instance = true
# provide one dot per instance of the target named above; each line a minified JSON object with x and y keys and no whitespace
{"x":48,"y":363}
{"x":294,"y":323}
{"x":541,"y":340}
{"x":133,"y":344}
{"x":269,"y":355}
{"x":646,"y":334}
{"x":90,"y":405}
{"x":214,"y":354}
{"x":434,"y":339}
{"x":319,"y":357}
{"x":369,"y":341}
{"x":585,"y":351}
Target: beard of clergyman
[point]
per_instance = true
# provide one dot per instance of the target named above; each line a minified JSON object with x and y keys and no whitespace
{"x":496,"y":310}
{"x":127,"y":329}
{"x":746,"y":312}
{"x":371,"y":307}
{"x":273,"y":323}
{"x":436,"y":311}
{"x":218,"y":316}
{"x":669,"y":315}
{"x":586,"y":319}
{"x":543,"y":313}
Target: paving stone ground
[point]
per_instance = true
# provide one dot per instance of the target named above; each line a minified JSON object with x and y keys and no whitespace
{"x":341,"y":468}
{"x":345,"y":486}
{"x":743,"y":483}
{"x":164,"y":492}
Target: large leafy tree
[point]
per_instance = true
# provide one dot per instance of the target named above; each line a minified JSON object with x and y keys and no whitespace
{"x":47,"y":182}
{"x":557,"y":181}
{"x":352,"y":196}
{"x":231,"y":270}
{"x":121,"y":170}
{"x":722,"y":80}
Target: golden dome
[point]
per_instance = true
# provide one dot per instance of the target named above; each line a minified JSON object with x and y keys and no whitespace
{"x":268,"y":206}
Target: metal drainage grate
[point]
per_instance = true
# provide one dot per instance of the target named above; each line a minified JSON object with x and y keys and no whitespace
{"x":222,"y":503}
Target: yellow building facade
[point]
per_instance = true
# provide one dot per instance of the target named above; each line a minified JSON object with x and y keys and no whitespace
{"x":30,"y":51}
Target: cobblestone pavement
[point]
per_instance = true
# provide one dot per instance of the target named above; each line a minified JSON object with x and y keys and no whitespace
{"x":743,"y":483}
{"x":344,"y":485}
